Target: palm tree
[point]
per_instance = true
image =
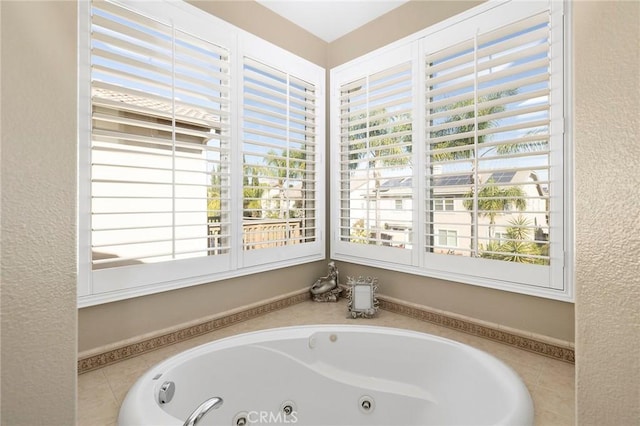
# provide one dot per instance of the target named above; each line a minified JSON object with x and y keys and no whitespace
{"x":519,"y":248}
{"x":493,"y":200}
{"x":214,"y":196}
{"x":382,"y":141}
{"x":465,"y":115}
{"x":252,"y":190}
{"x":463,"y":134}
{"x":532,"y":143}
{"x":289,"y":164}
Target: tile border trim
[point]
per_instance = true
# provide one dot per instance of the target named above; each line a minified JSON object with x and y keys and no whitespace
{"x":123,"y":352}
{"x":541,"y":345}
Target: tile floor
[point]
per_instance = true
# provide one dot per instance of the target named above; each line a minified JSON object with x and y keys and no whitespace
{"x":550,"y":382}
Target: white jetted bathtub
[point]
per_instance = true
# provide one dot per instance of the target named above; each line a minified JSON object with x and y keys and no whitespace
{"x":329,"y":375}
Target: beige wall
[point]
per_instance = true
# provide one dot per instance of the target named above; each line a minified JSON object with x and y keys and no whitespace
{"x":38,"y":383}
{"x":110,"y":323}
{"x":607,"y":146}
{"x":533,"y":314}
{"x":258,"y":20}
{"x":398,"y":23}
{"x":0,"y":217}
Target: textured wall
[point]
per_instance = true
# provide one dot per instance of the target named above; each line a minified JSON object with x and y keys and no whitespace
{"x":0,"y":212}
{"x":38,"y":383}
{"x":607,"y":146}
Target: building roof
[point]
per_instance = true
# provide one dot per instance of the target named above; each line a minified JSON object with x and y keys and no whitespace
{"x":153,"y":105}
{"x":458,"y":183}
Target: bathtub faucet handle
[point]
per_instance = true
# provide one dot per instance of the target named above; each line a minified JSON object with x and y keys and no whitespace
{"x":203,"y":409}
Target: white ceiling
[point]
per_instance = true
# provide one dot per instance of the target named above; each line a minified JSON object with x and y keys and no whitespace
{"x":331,"y":19}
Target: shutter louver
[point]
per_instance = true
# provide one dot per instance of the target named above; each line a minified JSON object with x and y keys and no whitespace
{"x":488,"y":117}
{"x":375,"y":158}
{"x":160,"y":131}
{"x":279,"y":158}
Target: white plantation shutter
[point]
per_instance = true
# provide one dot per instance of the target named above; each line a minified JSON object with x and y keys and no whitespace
{"x":488,"y":117}
{"x":279,"y":156}
{"x":196,"y":163}
{"x":160,"y":170}
{"x":159,"y":148}
{"x":514,"y":61}
{"x":375,"y":158}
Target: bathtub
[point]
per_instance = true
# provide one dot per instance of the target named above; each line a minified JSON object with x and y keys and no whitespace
{"x":331,"y":375}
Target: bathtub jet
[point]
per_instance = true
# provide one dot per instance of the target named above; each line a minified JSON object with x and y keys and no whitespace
{"x":329,"y":375}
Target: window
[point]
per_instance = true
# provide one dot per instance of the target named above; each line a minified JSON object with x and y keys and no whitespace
{"x":442,"y":204}
{"x":447,"y":238}
{"x":160,"y":141}
{"x":375,"y":157}
{"x":500,"y":236}
{"x":480,"y":150}
{"x":279,"y":159}
{"x":488,"y":106}
{"x":164,"y":151}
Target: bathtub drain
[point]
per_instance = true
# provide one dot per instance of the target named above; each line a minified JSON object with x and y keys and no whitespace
{"x":366,"y":404}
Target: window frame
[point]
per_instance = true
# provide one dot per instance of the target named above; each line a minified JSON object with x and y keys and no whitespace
{"x":448,"y":233}
{"x":417,"y":262}
{"x":111,"y":284}
{"x":443,"y":204}
{"x":371,"y":64}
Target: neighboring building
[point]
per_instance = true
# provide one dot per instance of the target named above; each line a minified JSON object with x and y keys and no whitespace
{"x":390,"y":210}
{"x":278,"y":202}
{"x":133,"y":184}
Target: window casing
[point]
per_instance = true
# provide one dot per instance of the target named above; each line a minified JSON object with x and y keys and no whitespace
{"x":164,"y":113}
{"x":487,"y":143}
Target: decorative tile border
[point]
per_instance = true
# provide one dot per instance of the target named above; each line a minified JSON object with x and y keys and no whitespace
{"x":535,"y":344}
{"x":122,"y":353}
